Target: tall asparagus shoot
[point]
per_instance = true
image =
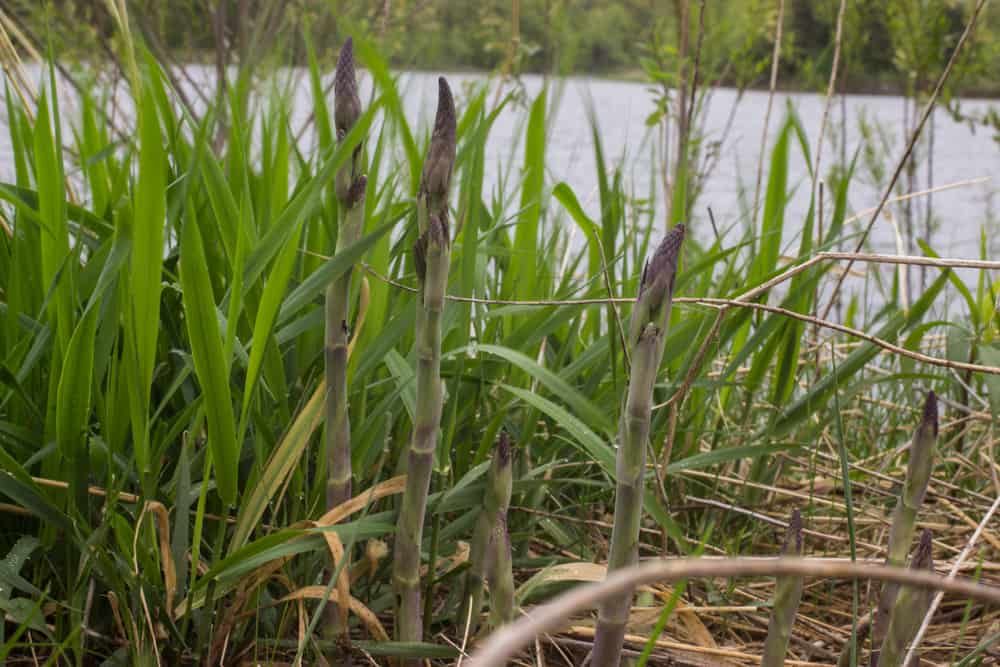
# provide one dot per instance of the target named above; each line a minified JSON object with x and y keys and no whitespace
{"x":787,"y":595}
{"x":431,"y":255}
{"x":496,"y":500}
{"x":650,"y":319}
{"x":909,"y":611}
{"x":350,"y":190}
{"x":349,"y":187}
{"x":904,"y":518}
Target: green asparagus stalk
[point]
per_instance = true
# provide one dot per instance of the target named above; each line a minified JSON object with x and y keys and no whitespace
{"x":431,"y":255}
{"x":349,"y":187}
{"x":501,"y":574}
{"x":909,"y":611}
{"x":904,"y":518}
{"x":350,"y":191}
{"x":650,"y":319}
{"x":787,"y":595}
{"x":496,"y":500}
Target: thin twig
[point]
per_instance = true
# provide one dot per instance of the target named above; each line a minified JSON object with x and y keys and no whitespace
{"x":917,"y":356}
{"x":745,"y":301}
{"x":970,"y":26}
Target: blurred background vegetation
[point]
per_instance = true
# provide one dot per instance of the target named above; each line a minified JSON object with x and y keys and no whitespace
{"x":890,"y":45}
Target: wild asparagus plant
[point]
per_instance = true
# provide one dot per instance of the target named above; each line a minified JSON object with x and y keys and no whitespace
{"x":787,"y":595}
{"x":431,"y":254}
{"x":349,"y":187}
{"x":496,"y":500}
{"x":501,"y":574}
{"x":650,"y":319}
{"x":350,"y":190}
{"x":904,"y":518}
{"x":909,"y":611}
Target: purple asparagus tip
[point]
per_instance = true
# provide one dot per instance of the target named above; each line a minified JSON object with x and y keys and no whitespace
{"x":793,"y":537}
{"x":931,"y":412}
{"x":436,"y":178}
{"x":660,"y":271}
{"x":922,"y":559}
{"x":347,"y":103}
{"x":503,"y":449}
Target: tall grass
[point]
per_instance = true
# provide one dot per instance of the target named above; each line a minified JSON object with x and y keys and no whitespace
{"x":163,"y":380}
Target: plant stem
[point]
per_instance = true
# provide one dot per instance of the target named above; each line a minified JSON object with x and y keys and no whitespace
{"x":908,"y":612}
{"x":787,"y":595}
{"x":431,"y":253}
{"x":496,"y":501}
{"x":650,"y":319}
{"x":904,"y":517}
{"x":350,"y":190}
{"x":501,"y":575}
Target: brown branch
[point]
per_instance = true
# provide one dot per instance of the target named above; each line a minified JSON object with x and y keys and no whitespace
{"x":504,"y":644}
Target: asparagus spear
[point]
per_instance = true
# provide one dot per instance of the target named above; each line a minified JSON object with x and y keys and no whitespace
{"x":349,"y":187}
{"x":501,"y":575}
{"x":650,"y":319}
{"x":904,"y":517}
{"x":350,"y":191}
{"x":909,"y":611}
{"x":431,"y":254}
{"x":787,"y":595}
{"x":496,"y":500}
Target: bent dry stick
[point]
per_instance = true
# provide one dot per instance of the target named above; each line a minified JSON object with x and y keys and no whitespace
{"x":505,"y":643}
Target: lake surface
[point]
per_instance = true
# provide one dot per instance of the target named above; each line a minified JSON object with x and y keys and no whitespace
{"x":621,"y":108}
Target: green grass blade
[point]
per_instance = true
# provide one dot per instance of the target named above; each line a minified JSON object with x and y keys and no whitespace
{"x":817,"y":396}
{"x":211,"y":367}
{"x":283,"y":460}
{"x":522,"y":281}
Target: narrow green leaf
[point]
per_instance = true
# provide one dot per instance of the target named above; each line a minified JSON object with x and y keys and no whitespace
{"x":578,"y":403}
{"x":597,"y":449}
{"x":211,"y":367}
{"x":283,"y":460}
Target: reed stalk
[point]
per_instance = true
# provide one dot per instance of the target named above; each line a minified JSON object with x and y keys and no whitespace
{"x":431,"y":254}
{"x":787,"y":595}
{"x":349,"y":188}
{"x":496,"y":500}
{"x":650,"y":319}
{"x":904,"y":517}
{"x":908,"y":612}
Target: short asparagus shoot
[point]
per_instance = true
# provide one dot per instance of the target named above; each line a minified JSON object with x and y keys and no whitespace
{"x":496,"y":501}
{"x":904,"y":517}
{"x":787,"y":595}
{"x":909,"y":611}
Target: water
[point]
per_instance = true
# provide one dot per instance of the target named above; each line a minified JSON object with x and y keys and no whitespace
{"x":960,"y":154}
